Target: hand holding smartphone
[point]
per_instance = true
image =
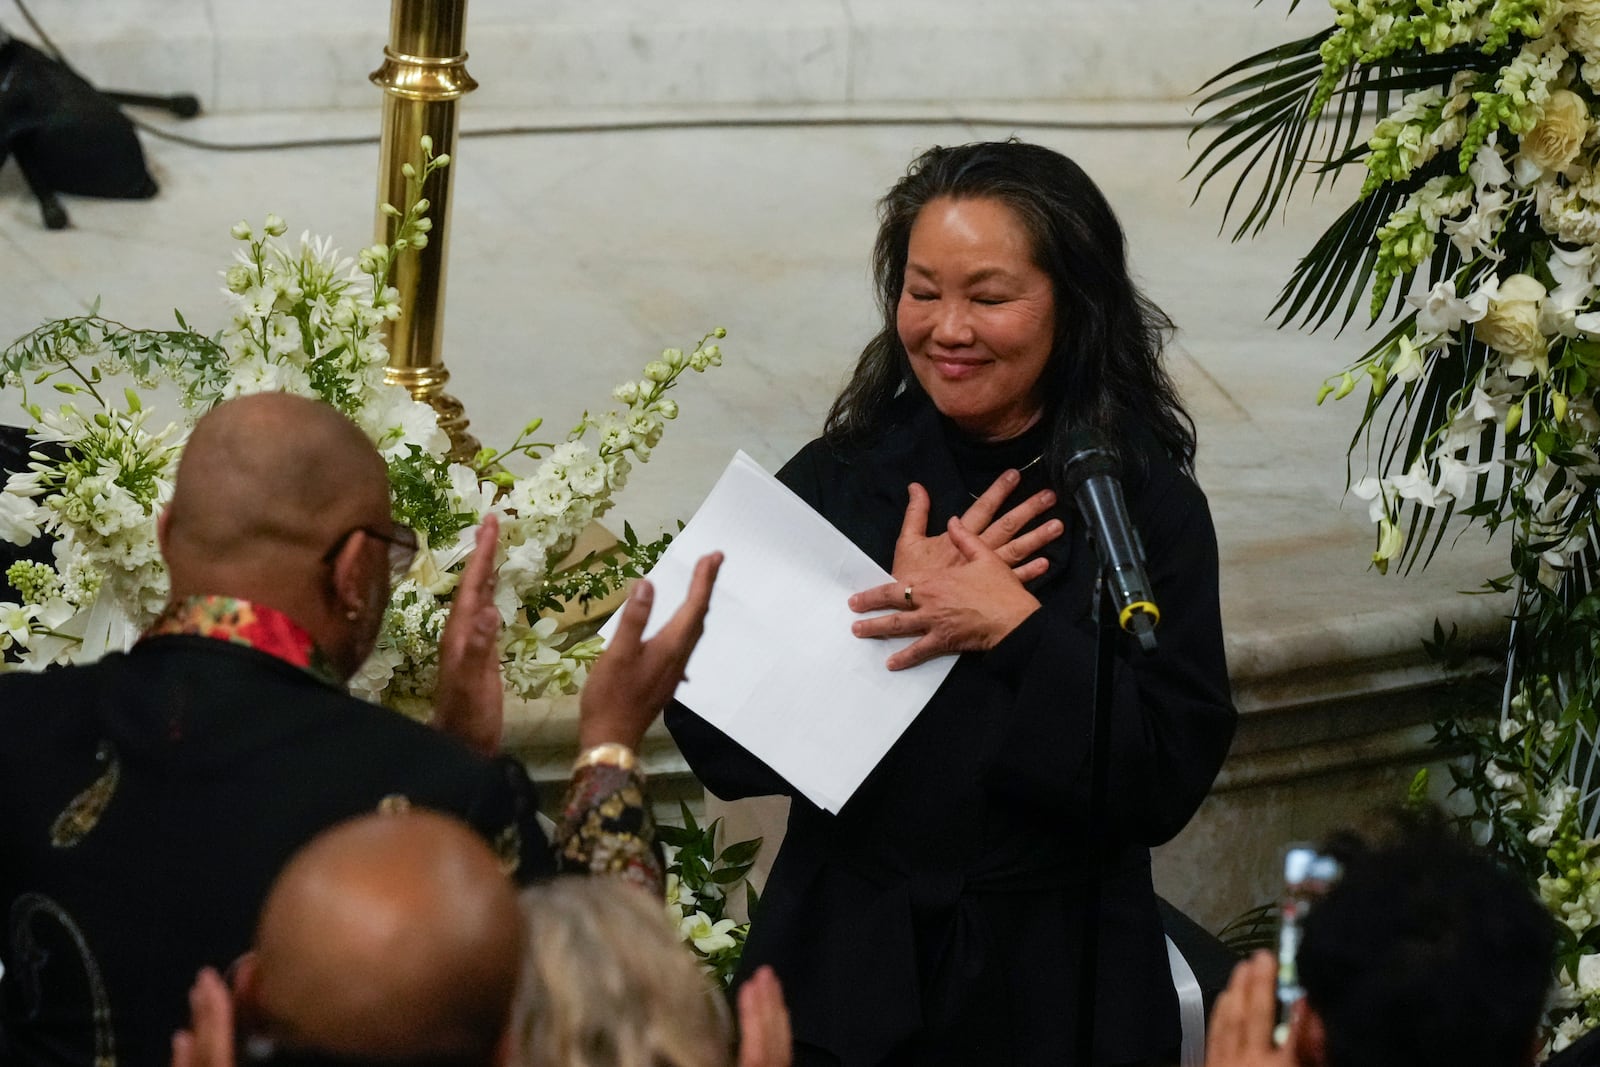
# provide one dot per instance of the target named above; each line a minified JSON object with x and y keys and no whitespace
{"x":1307,"y":874}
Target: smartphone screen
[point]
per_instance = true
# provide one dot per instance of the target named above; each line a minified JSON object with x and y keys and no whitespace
{"x":1306,"y":876}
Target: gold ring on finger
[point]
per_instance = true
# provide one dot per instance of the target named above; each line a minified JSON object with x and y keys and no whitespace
{"x":909,"y":602}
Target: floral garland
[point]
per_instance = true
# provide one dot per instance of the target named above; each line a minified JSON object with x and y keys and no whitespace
{"x":308,"y":321}
{"x":1476,"y":232}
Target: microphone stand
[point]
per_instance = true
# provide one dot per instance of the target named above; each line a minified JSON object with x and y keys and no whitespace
{"x":1106,"y":631}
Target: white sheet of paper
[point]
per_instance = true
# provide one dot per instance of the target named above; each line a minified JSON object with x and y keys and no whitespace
{"x":778,"y":669}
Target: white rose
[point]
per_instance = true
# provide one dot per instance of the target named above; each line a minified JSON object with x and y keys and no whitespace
{"x":1556,"y":138}
{"x":1582,"y":27}
{"x":1511,"y":324}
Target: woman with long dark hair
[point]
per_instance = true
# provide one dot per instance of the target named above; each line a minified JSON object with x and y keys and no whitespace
{"x":939,"y":917}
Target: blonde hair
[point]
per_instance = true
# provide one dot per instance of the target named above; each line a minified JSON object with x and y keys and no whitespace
{"x":606,"y":983}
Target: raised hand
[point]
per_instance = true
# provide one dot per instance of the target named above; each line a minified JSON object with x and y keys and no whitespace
{"x":209,"y":1041}
{"x":1240,"y":1034}
{"x":965,"y":608}
{"x":764,"y":1036}
{"x":633,"y":679}
{"x":916,"y":554}
{"x":469,"y":699}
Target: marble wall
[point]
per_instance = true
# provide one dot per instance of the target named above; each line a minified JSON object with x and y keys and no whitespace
{"x":575,"y":54}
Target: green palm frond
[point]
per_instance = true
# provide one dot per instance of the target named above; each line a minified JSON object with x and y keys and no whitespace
{"x":1265,"y":104}
{"x":1251,"y":930}
{"x":1274,"y":90}
{"x":1341,"y":262}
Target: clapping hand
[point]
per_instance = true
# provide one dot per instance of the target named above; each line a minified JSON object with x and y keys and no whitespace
{"x":764,"y":1036}
{"x":965,"y":608}
{"x":633,"y":679}
{"x":469,"y":699}
{"x":209,"y":1042}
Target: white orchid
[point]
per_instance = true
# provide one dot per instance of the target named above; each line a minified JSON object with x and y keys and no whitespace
{"x":707,"y":937}
{"x":1441,"y":311}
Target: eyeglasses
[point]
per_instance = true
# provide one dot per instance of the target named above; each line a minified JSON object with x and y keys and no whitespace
{"x":402,"y":542}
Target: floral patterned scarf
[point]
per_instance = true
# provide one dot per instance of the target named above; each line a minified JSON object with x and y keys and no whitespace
{"x":240,"y":622}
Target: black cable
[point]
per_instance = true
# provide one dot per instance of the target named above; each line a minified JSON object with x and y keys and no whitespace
{"x":649,"y":125}
{"x":44,"y":38}
{"x":638,"y":125}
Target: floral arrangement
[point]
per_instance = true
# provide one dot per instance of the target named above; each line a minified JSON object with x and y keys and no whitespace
{"x":306,"y":320}
{"x":699,"y":882}
{"x":1474,"y":244}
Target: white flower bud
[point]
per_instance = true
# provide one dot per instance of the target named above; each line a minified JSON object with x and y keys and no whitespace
{"x":274,"y":226}
{"x":389,"y":210}
{"x":719,"y":333}
{"x":241,"y":231}
{"x":408,"y":170}
{"x":238,"y":278}
{"x":657,"y":371}
{"x":420,"y":241}
{"x":672,"y":357}
{"x":427,"y":143}
{"x":668,"y":408}
{"x":422,"y":205}
{"x":626,"y":393}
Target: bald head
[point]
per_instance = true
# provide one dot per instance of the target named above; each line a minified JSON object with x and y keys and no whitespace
{"x":268,"y":486}
{"x":389,"y":937}
{"x":268,"y":476}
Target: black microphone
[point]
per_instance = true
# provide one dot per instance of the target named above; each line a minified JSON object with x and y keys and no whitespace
{"x":1092,"y":476}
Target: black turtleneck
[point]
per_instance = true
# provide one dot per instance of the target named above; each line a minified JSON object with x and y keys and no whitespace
{"x":979,"y":463}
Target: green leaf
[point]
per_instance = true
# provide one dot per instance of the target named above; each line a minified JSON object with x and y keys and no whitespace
{"x":742,"y":852}
{"x":676,"y":836}
{"x":729,"y":875}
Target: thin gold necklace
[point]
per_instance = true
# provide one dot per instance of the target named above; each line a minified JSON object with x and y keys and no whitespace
{"x":1020,"y":469}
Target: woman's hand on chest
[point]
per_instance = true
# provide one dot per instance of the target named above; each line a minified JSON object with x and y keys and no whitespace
{"x":965,"y":606}
{"x":917,"y":555}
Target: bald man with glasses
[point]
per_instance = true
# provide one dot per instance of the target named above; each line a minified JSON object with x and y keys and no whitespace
{"x":147,"y":801}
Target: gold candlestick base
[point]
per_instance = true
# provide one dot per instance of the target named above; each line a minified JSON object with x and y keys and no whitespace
{"x":427,"y":384}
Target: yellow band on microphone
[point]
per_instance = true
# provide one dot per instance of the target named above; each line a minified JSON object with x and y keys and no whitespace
{"x":1138,"y":605}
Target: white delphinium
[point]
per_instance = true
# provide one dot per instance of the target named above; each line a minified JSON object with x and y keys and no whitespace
{"x":1552,"y":806}
{"x":305,"y":320}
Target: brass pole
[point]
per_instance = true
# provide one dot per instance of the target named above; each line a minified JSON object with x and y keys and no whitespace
{"x":423,"y":76}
